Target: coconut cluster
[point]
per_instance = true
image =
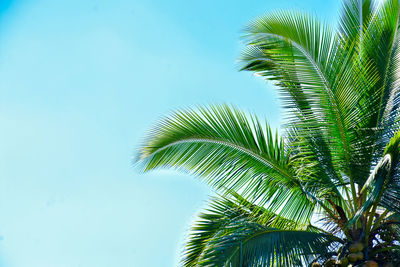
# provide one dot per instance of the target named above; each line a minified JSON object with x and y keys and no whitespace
{"x":354,"y":256}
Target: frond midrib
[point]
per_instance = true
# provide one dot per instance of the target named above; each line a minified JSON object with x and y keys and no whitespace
{"x":258,"y":157}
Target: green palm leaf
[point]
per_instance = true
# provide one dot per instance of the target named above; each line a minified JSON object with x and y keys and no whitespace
{"x":231,"y":151}
{"x":222,"y":212}
{"x":251,"y":244}
{"x":323,"y":85}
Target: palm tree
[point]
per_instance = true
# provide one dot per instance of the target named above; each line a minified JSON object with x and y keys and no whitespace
{"x":326,"y":191}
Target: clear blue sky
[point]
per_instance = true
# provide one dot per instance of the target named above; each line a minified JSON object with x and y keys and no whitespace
{"x":80,"y":84}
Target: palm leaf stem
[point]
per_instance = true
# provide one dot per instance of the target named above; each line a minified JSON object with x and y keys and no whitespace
{"x":231,"y":145}
{"x":371,"y":215}
{"x":328,"y":210}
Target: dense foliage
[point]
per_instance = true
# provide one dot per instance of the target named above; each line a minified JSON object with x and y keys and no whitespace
{"x":326,"y":191}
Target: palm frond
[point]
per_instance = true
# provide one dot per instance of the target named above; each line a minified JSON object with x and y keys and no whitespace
{"x":231,"y":151}
{"x":323,"y":82}
{"x":222,"y":212}
{"x":381,"y":45}
{"x":251,"y":244}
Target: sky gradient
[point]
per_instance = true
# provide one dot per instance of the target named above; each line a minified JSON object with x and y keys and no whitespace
{"x":81,"y":82}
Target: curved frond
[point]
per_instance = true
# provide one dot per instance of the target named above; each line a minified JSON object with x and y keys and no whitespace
{"x":231,"y":151}
{"x":380,"y":44}
{"x":251,"y":244}
{"x":323,"y":82}
{"x":222,"y":212}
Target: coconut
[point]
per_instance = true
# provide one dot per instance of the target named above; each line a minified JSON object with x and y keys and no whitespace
{"x":356,"y":247}
{"x":315,"y":264}
{"x":370,"y":264}
{"x":353,"y":257}
{"x":330,"y":263}
{"x":360,"y":255}
{"x":343,"y":262}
